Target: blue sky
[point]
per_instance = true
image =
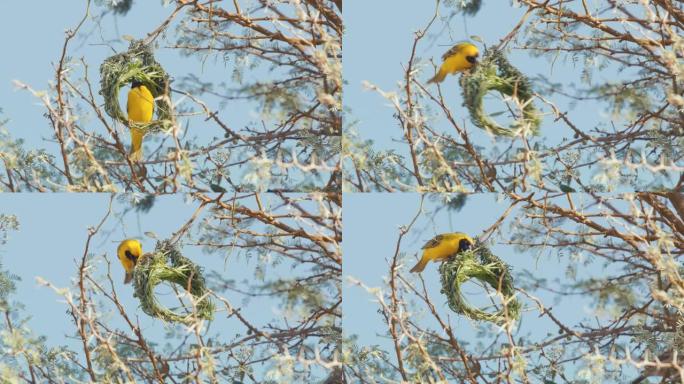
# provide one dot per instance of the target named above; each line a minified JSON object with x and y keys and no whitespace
{"x":371,"y":230}
{"x":51,"y":241}
{"x":50,"y":244}
{"x":378,"y":41}
{"x":34,"y":56}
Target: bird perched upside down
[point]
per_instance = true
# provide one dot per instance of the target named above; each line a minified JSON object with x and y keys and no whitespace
{"x":140,"y":109}
{"x":460,"y":57}
{"x":129,"y":253}
{"x":442,"y":247}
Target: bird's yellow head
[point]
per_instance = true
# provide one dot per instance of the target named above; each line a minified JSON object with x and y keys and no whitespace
{"x":129,"y":251}
{"x":471,"y":54}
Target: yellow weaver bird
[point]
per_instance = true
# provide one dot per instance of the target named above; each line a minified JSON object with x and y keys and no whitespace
{"x":129,"y":252}
{"x":460,"y":57}
{"x":140,"y":108}
{"x":442,"y":247}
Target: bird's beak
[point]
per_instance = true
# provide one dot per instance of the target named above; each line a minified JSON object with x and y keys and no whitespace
{"x":472,"y":59}
{"x":129,"y":277}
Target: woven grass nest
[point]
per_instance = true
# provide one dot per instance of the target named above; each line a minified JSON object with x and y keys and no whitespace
{"x":137,"y":63}
{"x":495,"y":73}
{"x":479,"y":263}
{"x":167,"y":264}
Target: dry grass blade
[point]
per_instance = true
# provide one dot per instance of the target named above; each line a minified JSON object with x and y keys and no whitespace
{"x":167,"y":264}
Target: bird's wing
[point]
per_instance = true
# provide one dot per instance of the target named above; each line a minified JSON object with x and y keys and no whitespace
{"x":434,"y":242}
{"x":453,"y":50}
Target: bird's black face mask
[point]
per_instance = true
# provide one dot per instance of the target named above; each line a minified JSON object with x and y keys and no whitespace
{"x":472,"y":59}
{"x":135,"y":84}
{"x":464,"y":245}
{"x":132,"y":257}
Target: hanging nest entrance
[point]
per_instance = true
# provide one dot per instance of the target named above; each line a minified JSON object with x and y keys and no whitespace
{"x":167,"y":264}
{"x":137,"y":63}
{"x":480,"y":264}
{"x":495,"y":73}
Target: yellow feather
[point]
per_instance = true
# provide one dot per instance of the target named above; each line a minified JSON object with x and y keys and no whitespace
{"x":136,"y":144}
{"x":459,"y":58}
{"x":129,"y":253}
{"x":140,"y":108}
{"x":442,"y":247}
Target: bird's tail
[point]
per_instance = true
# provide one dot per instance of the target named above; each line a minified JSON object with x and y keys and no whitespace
{"x":420,"y":266}
{"x":136,"y":144}
{"x":439,"y":77}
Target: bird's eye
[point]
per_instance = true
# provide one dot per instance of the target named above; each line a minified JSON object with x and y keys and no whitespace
{"x":464,"y":245}
{"x":131,"y":256}
{"x":472,"y":59}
